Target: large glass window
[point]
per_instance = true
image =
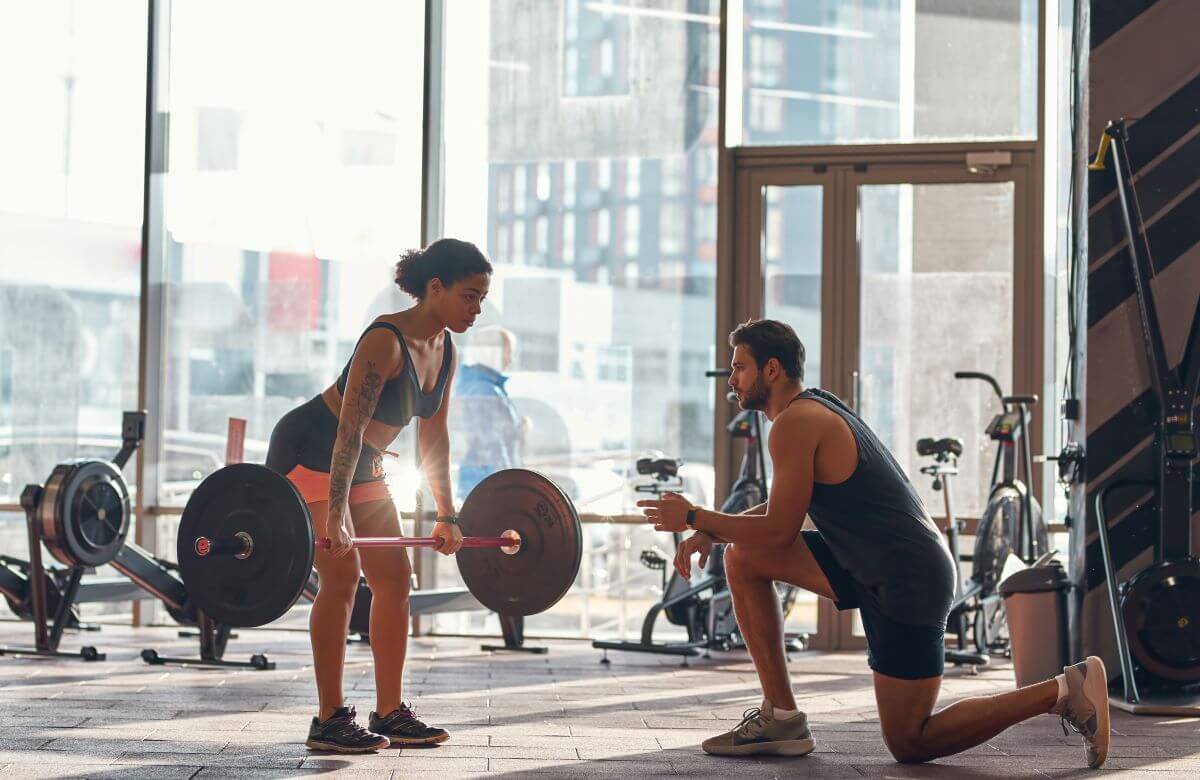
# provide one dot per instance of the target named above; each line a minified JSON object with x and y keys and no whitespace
{"x":612,"y":325}
{"x":294,"y":184}
{"x":878,"y":71}
{"x":579,"y":151}
{"x":73,"y":91}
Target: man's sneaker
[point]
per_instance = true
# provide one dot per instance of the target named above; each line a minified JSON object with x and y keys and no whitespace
{"x":341,"y":734}
{"x":760,"y":732}
{"x":404,"y":730}
{"x":1085,"y":707}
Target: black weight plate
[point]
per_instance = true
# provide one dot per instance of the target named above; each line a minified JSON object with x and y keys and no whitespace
{"x":251,"y":499}
{"x":542,"y":571}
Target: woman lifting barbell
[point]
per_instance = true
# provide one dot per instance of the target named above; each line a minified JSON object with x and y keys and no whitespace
{"x":331,"y":448}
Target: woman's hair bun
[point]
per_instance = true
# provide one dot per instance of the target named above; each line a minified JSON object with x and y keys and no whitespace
{"x":447,"y":259}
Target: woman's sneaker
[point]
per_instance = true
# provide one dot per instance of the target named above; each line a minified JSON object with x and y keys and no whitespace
{"x":341,"y":734}
{"x":404,"y":730}
{"x":761,"y":733}
{"x":1085,"y":707}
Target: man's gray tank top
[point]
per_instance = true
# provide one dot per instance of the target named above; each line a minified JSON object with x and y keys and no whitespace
{"x":879,"y":531}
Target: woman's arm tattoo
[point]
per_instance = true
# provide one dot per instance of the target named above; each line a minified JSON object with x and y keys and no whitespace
{"x":354,"y":419}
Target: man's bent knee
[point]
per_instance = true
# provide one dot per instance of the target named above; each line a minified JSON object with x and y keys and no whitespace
{"x":907,"y":748}
{"x":908,"y":754}
{"x":740,"y":562}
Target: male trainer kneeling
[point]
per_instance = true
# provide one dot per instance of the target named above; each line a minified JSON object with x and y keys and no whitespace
{"x":875,"y":549}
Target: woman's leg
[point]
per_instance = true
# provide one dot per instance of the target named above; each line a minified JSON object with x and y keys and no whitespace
{"x":329,"y":620}
{"x":388,"y":574}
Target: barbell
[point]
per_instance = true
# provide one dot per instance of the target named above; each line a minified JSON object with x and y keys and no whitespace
{"x":246,"y":544}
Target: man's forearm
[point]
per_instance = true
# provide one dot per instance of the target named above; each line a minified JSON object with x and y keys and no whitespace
{"x":757,"y":509}
{"x":749,"y":529}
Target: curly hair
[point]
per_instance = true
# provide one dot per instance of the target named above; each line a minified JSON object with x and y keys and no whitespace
{"x":447,"y":259}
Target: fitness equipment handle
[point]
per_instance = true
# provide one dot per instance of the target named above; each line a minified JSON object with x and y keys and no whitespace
{"x":991,"y":380}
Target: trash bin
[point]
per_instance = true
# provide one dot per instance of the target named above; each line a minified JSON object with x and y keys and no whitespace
{"x":1035,"y":601}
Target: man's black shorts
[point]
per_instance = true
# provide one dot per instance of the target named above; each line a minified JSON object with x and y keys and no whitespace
{"x":894,"y":649}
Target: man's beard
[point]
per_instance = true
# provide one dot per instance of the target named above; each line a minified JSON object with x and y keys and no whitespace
{"x":757,"y":396}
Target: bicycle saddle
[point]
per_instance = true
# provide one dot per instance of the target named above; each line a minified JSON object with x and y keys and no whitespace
{"x":940,"y":446}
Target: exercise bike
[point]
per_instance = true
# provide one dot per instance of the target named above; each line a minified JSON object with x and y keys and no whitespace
{"x":1011,"y":525}
{"x":971,"y":605}
{"x":683,"y":603}
{"x":1013,"y":515}
{"x":704,"y":608}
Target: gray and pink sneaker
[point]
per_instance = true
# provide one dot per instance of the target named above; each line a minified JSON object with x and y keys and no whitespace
{"x":404,"y":730}
{"x":340,"y":733}
{"x":1085,"y":707}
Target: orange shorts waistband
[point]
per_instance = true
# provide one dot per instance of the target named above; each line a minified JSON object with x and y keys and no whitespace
{"x":314,"y":486}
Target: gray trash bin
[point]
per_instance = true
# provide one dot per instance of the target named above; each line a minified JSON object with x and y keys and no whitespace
{"x":1035,"y":601}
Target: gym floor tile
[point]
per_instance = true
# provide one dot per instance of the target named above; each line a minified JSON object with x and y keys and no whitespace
{"x":517,"y":767}
{"x":229,"y":773}
{"x":98,"y":772}
{"x":558,"y":715}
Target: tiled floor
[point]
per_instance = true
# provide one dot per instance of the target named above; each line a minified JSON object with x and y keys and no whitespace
{"x":561,"y":714}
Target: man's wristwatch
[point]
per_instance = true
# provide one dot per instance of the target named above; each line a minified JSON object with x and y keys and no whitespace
{"x":691,"y":517}
{"x":451,"y":519}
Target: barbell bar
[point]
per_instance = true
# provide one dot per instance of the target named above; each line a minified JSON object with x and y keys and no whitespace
{"x":246,"y":544}
{"x":241,"y":545}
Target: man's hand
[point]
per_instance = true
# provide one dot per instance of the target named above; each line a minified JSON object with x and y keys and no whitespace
{"x":668,"y":513}
{"x":696,"y":543}
{"x":451,"y":536}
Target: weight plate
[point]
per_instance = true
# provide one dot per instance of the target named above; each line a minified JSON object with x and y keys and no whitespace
{"x":542,"y":571}
{"x":252,"y":591}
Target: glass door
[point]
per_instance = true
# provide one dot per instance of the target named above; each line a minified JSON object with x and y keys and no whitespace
{"x":931,"y":291}
{"x":784,"y":219}
{"x":894,"y":277}
{"x":935,"y":290}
